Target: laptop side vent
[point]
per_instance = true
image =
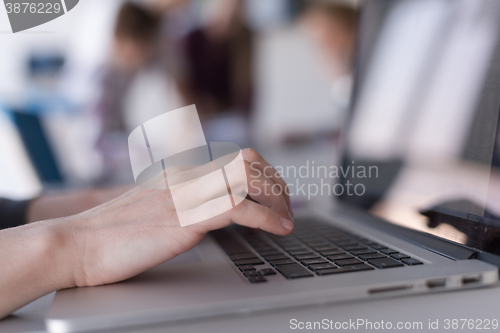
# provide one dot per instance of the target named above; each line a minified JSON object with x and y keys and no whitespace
{"x":390,"y":289}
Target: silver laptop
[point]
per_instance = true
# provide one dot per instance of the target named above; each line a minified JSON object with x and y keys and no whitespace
{"x":434,"y":159}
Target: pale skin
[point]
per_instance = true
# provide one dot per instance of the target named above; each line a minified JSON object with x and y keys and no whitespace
{"x":63,"y":204}
{"x":120,"y":239}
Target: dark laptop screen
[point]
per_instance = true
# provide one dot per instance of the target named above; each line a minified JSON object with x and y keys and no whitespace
{"x":424,"y":118}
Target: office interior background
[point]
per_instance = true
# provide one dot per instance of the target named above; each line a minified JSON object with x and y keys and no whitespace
{"x":261,"y":73}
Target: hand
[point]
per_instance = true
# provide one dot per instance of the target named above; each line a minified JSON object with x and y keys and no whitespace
{"x":140,"y":229}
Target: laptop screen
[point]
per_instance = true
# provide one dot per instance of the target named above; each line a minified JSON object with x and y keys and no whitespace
{"x":423,"y":133}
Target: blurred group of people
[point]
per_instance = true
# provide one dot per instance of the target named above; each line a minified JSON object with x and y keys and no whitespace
{"x":165,"y":54}
{"x":210,"y":66}
{"x":153,"y":68}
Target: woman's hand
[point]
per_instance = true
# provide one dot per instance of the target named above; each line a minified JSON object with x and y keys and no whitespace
{"x":126,"y":236}
{"x":140,"y":229}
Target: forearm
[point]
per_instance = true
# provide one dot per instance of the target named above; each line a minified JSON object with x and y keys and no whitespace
{"x":35,"y":260}
{"x":54,"y":206}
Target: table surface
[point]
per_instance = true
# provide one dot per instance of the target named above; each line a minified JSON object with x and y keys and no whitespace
{"x":478,"y":304}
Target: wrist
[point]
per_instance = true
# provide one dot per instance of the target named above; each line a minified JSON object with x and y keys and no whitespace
{"x":59,"y":248}
{"x":37,"y":259}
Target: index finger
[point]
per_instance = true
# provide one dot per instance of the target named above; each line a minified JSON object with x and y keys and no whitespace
{"x":258,"y":162}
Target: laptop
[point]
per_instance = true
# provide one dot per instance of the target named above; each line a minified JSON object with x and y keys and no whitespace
{"x":425,"y":222}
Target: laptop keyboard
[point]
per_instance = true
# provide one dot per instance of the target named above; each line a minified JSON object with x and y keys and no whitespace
{"x":313,"y":248}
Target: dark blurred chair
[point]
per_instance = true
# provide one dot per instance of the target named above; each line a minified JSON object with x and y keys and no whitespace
{"x":38,"y":147}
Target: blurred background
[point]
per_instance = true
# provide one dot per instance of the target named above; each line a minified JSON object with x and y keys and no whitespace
{"x":262,"y":73}
{"x":415,"y":82}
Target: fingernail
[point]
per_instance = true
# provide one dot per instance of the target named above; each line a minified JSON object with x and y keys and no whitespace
{"x":288,"y":225}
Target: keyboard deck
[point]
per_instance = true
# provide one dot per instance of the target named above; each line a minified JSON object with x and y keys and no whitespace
{"x":313,"y":248}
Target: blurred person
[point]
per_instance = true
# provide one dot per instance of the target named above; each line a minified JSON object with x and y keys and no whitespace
{"x":134,"y":41}
{"x":333,"y":25}
{"x":124,"y":237}
{"x":135,"y":37}
{"x":136,"y":84}
{"x":218,"y":57}
{"x":305,"y":73}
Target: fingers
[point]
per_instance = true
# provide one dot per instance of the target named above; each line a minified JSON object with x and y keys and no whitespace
{"x":244,"y":180}
{"x":203,"y":190}
{"x":241,"y":179}
{"x":252,"y":215}
{"x":259,"y":164}
{"x":264,"y":191}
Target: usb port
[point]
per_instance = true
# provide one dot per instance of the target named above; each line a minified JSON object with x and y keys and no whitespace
{"x":471,"y":279}
{"x":438,"y":283}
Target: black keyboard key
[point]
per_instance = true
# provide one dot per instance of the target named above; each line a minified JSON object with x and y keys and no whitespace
{"x":357,"y":246}
{"x":411,"y":262}
{"x":246,"y":268}
{"x":321,"y":266}
{"x":346,"y":269}
{"x":339,"y":257}
{"x":339,"y":239}
{"x":263,"y":248}
{"x":249,"y":262}
{"x":282,"y":262}
{"x":388,"y":251}
{"x":385,"y":263}
{"x":240,"y":256}
{"x":399,"y":256}
{"x":267,"y":271}
{"x":269,"y":252}
{"x":250,"y":273}
{"x":324,"y":248}
{"x":314,"y":261}
{"x":331,"y":234}
{"x":347,"y":262}
{"x":291,"y":248}
{"x":362,"y":251}
{"x":312,"y":237}
{"x":276,"y":257}
{"x":346,"y":242}
{"x":299,"y":251}
{"x":293,"y":271}
{"x":258,"y":243}
{"x":376,"y":245}
{"x":307,"y":256}
{"x":332,"y":252}
{"x":257,"y":279}
{"x":371,"y":256}
{"x":283,"y":239}
{"x":317,"y":245}
{"x":329,"y":248}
